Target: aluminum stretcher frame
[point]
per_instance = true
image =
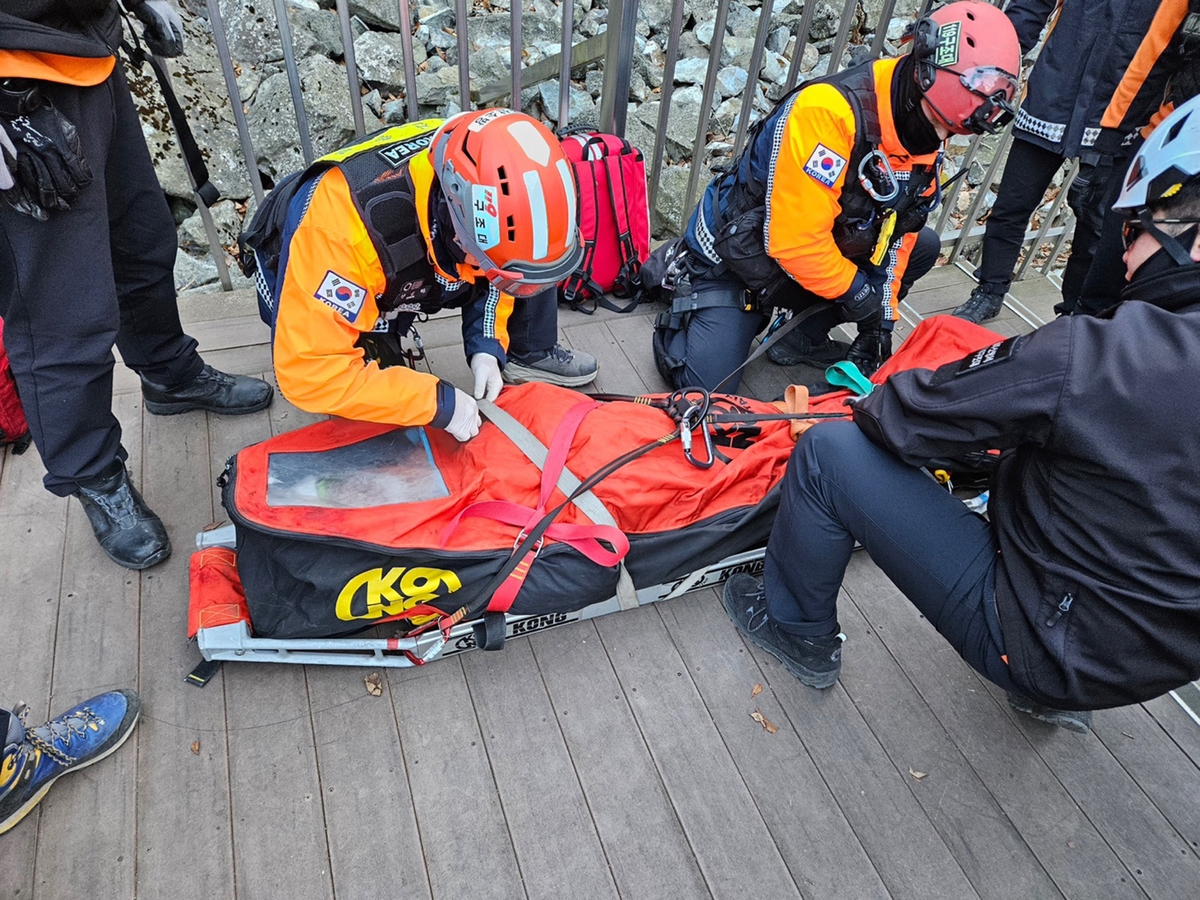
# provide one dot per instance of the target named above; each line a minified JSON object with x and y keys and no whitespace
{"x":234,"y":643}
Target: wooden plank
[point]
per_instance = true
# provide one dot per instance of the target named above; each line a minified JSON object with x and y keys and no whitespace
{"x":1167,"y":775}
{"x":819,"y":846}
{"x":183,"y":796}
{"x":986,"y":844}
{"x":277,"y":801}
{"x":468,"y":847}
{"x":368,"y":807}
{"x":33,"y":526}
{"x":543,"y":801}
{"x":1150,"y":847}
{"x":616,"y":375}
{"x":732,"y":844}
{"x":634,"y":334}
{"x":95,"y":651}
{"x":1184,"y":731}
{"x":643,"y":840}
{"x":228,"y":334}
{"x":1070,"y":848}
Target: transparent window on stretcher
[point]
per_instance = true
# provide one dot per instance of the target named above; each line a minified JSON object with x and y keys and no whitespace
{"x":390,"y":468}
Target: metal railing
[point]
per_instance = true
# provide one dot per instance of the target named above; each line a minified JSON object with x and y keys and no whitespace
{"x":618,"y":41}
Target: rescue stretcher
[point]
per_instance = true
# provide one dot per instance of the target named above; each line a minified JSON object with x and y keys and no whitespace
{"x":452,"y":547}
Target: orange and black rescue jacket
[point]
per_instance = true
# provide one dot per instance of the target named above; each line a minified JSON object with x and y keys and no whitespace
{"x":67,"y":43}
{"x":800,"y":167}
{"x":360,"y":256}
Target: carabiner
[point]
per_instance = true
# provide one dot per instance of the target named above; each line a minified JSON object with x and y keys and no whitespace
{"x":882,"y":170}
{"x":697,"y":411}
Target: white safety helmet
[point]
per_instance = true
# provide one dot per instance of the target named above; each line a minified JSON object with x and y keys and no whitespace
{"x":1168,"y":160}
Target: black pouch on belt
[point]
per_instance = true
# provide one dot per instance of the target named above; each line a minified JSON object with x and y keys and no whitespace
{"x":740,"y":245}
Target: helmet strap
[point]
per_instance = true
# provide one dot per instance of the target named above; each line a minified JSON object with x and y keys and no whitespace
{"x":1178,"y":252}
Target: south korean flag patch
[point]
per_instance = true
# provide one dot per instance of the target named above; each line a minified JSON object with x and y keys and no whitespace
{"x":342,"y":294}
{"x":824,"y":166}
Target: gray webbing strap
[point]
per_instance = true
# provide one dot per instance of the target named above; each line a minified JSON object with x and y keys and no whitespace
{"x":568,"y":483}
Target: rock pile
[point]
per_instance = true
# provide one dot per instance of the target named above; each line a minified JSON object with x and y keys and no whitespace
{"x":262,"y":84}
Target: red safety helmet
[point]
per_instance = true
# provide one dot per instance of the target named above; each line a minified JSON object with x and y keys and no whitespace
{"x":511,"y":196}
{"x":968,"y":59}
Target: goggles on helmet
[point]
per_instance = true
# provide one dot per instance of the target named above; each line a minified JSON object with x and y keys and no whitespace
{"x":996,"y":87}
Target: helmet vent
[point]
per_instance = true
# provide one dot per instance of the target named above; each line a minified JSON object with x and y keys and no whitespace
{"x":971,"y":16}
{"x":512,"y":225}
{"x":1175,"y":129}
{"x":503,"y":180}
{"x":970,"y":40}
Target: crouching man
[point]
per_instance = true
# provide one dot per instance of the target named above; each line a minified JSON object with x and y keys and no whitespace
{"x":1083,"y":591}
{"x":400,"y":224}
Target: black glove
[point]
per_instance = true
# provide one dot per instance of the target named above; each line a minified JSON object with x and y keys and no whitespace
{"x":163,"y":33}
{"x":48,"y":168}
{"x":862,"y":301}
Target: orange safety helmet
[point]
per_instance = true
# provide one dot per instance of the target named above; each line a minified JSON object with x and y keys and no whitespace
{"x":968,"y":59}
{"x":511,"y":196}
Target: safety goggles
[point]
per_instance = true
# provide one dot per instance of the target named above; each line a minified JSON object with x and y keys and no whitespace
{"x":526,"y":279}
{"x":996,"y":88}
{"x":1135,"y":227}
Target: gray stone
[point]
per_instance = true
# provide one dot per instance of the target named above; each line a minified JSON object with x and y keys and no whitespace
{"x":489,"y":66}
{"x":591,"y":24}
{"x":191,"y":272}
{"x":435,"y":88}
{"x":731,"y":80}
{"x":682,"y":120}
{"x":691,"y":70}
{"x":226,"y":219}
{"x":640,"y":135}
{"x":646,"y":66}
{"x":704,"y":32}
{"x":380,"y":60}
{"x":639,"y":91}
{"x":272,"y":124}
{"x":582,"y":108}
{"x":377,"y":14}
{"x":738,"y":50}
{"x":436,"y":17}
{"x":594,"y":82}
{"x":657,"y":14}
{"x":724,"y":120}
{"x":248,"y":83}
{"x":810,"y":58}
{"x":671,"y":204}
{"x":778,"y":40}
{"x":373,"y":103}
{"x":774,"y":68}
{"x":316,"y":33}
{"x":895,"y":28}
{"x":394,"y":112}
{"x":250,"y":30}
{"x":741,"y":19}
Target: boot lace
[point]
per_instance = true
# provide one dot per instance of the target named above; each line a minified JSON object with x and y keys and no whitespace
{"x":54,"y":737}
{"x":118,"y":505}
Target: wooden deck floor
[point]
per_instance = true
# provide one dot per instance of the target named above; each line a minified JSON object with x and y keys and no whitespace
{"x":610,"y":758}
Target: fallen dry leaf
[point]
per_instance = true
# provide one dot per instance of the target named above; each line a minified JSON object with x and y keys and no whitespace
{"x":768,"y":726}
{"x":757,"y":690}
{"x":915,"y":774}
{"x":196,"y":747}
{"x":1071,"y":844}
{"x":374,"y":684}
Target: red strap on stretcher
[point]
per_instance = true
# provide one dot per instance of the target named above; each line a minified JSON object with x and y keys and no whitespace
{"x":584,"y":538}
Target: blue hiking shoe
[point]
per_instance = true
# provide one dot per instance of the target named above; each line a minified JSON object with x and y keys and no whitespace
{"x":34,"y":758}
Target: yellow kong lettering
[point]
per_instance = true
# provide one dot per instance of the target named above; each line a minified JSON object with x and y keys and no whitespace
{"x":385,"y":597}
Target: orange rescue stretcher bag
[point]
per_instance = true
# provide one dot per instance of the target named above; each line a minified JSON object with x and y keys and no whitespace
{"x":344,"y":525}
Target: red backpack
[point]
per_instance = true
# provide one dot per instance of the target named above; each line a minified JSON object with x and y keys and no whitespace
{"x":614,"y":218}
{"x":13,"y":427}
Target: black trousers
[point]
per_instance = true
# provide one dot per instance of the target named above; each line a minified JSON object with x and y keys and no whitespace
{"x":533,"y":325}
{"x":1027,"y":174}
{"x":98,"y":274}
{"x":1105,"y":278}
{"x":839,"y":487}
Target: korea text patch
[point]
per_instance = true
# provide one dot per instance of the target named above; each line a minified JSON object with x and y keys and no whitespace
{"x":824,"y":166}
{"x":342,"y":294}
{"x":995,"y":353}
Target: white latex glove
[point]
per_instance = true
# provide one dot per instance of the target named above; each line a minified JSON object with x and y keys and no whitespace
{"x":164,"y":29}
{"x":7,"y":152}
{"x":486,"y":369}
{"x":464,"y":424}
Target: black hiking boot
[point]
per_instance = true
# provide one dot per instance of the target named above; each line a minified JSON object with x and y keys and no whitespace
{"x":211,"y":391}
{"x":984,"y":303}
{"x":817,"y":662}
{"x":1076,"y":720}
{"x":796,"y":348}
{"x":866,"y":351}
{"x":127,"y":529}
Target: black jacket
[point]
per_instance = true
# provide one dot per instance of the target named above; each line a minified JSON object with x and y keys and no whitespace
{"x":1080,"y":65}
{"x":1096,"y":499}
{"x":86,"y":28}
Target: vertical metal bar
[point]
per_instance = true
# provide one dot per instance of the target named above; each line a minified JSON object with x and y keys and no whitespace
{"x":802,"y":30}
{"x":756,"y":55}
{"x":843,"y":35}
{"x":293,"y":74}
{"x":1047,"y":222}
{"x":614,"y":95}
{"x":980,"y":194}
{"x":951,"y":201}
{"x":235,"y":97}
{"x":885,"y":17}
{"x":1068,"y":231}
{"x":514,"y":53}
{"x":564,"y":73}
{"x":404,"y":11}
{"x":360,"y":126}
{"x":464,"y":53}
{"x":710,"y":84}
{"x":664,"y":100}
{"x":215,"y":250}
